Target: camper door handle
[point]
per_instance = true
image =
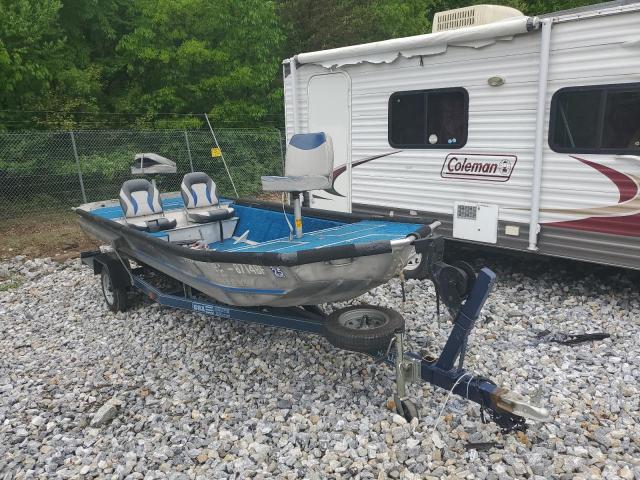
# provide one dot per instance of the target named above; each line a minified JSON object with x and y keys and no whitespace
{"x":628,"y":157}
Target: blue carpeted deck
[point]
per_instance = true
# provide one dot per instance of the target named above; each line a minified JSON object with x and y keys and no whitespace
{"x":360,"y":232}
{"x":269,"y":232}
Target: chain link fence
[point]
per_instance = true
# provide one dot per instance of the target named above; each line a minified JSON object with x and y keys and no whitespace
{"x":50,"y":172}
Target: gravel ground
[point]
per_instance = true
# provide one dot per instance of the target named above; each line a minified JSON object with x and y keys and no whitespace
{"x":157,"y":393}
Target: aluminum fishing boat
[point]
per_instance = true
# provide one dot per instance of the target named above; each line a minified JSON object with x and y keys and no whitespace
{"x":249,"y":253}
{"x":255,"y":263}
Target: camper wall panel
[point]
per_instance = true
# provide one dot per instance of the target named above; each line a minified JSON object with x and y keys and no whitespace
{"x":472,"y":71}
{"x":604,"y":30}
{"x":608,"y":56}
{"x":594,"y":61}
{"x":501,"y":121}
{"x":288,"y":107}
{"x":484,"y":99}
{"x":305,"y":72}
{"x":591,"y":246}
{"x":586,"y":197}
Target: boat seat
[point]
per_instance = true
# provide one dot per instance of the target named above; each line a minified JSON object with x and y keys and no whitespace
{"x":140,"y":202}
{"x":308,"y":165}
{"x":201,"y":200}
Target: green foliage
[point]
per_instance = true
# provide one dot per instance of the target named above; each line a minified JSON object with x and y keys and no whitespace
{"x":76,"y":63}
{"x":320,"y":24}
{"x":193,"y":54}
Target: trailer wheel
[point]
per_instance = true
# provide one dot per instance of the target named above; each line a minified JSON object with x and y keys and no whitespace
{"x":416,"y":268}
{"x":115,"y":297}
{"x":363,"y":328}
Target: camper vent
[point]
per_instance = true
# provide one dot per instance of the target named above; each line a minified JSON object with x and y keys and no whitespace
{"x":472,"y":16}
{"x":467,"y":212}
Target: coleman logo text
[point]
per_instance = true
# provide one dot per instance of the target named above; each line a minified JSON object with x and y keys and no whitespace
{"x":473,"y":166}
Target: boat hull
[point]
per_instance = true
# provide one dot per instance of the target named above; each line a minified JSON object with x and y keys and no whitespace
{"x":243,"y":284}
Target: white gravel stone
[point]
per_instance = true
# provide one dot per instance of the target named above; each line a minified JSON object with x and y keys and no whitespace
{"x":105,"y":413}
{"x":204,"y":398}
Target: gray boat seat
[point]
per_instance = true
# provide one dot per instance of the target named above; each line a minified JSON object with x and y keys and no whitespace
{"x":201,"y":200}
{"x":308,"y":165}
{"x":140,"y":202}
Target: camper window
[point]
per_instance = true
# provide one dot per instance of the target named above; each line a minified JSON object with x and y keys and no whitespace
{"x":429,"y":118}
{"x":596,"y":119}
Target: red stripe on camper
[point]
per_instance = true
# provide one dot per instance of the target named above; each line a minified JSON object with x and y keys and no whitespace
{"x":628,"y":225}
{"x":626,"y":186}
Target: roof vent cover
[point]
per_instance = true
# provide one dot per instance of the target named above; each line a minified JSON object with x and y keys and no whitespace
{"x":472,"y":16}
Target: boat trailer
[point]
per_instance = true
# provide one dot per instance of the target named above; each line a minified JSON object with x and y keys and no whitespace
{"x":507,"y":409}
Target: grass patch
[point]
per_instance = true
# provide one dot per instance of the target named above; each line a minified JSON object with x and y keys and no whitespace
{"x":10,"y":283}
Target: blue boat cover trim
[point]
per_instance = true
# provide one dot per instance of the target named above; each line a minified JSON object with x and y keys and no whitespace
{"x":308,"y":141}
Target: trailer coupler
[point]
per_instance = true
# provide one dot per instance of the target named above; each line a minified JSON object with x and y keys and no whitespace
{"x":507,"y":409}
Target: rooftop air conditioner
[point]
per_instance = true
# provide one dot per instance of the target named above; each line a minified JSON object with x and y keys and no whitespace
{"x":472,"y":16}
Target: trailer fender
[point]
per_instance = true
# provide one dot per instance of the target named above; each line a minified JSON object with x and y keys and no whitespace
{"x":120,"y":277}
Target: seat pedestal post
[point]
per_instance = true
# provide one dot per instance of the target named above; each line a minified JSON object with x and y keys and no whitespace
{"x":297,"y":214}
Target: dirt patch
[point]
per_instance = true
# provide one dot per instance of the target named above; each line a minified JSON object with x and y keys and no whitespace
{"x":51,"y":234}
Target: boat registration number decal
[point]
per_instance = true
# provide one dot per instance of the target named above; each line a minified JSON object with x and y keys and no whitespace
{"x":277,"y":272}
{"x":214,"y":310}
{"x":243,"y":269}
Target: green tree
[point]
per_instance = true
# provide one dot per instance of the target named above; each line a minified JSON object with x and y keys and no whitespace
{"x":27,"y":38}
{"x":139,"y":57}
{"x":197,"y":55}
{"x":321,"y":24}
{"x":41,"y":69}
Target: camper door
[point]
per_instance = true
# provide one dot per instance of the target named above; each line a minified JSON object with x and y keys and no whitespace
{"x":330,"y":111}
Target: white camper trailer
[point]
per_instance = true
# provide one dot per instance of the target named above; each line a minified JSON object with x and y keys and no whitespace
{"x":517,"y":132}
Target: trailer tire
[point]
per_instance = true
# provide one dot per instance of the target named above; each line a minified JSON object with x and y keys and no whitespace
{"x":363,"y":328}
{"x":114,"y":296}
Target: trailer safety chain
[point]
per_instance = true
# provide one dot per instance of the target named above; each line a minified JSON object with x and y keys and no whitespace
{"x":507,"y":422}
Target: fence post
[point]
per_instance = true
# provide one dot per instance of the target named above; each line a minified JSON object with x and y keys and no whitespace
{"x":75,"y":154}
{"x":186,"y":139}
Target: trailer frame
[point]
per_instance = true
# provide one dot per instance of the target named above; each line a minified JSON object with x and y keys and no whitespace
{"x":507,"y":410}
